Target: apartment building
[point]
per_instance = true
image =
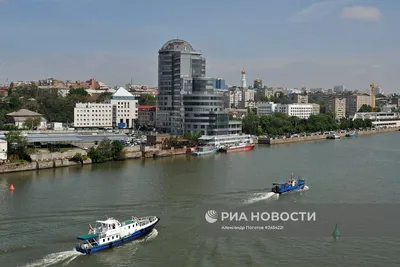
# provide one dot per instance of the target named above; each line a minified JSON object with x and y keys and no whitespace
{"x":120,"y":111}
{"x":300,"y":99}
{"x":354,"y":103}
{"x":337,"y":106}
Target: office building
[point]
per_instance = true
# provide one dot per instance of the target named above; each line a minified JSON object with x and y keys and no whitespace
{"x":219,"y":84}
{"x":302,"y":111}
{"x":178,"y":63}
{"x":204,"y":110}
{"x":120,"y":111}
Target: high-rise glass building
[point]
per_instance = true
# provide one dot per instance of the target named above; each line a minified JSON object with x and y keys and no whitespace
{"x":187,"y":100}
{"x":204,"y":109}
{"x":178,"y":63}
{"x":219,"y":83}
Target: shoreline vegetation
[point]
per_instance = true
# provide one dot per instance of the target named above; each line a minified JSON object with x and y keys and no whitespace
{"x":114,"y":151}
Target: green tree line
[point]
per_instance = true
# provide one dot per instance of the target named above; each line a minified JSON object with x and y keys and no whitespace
{"x":281,"y":124}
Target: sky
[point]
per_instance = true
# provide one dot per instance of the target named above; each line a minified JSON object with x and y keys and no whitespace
{"x":292,"y":43}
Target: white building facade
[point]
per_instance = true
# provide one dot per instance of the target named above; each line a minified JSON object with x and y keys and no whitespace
{"x":302,"y":111}
{"x":3,"y":149}
{"x":119,"y":112}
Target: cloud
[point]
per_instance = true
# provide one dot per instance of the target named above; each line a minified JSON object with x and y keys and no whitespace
{"x":319,"y":10}
{"x":361,"y":13}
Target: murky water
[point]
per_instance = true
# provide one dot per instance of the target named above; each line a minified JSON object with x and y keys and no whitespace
{"x":40,"y":220}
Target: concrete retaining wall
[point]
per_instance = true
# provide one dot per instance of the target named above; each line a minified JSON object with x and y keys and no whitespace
{"x":17,"y":167}
{"x":57,"y":155}
{"x":133,"y":152}
{"x":46,"y":164}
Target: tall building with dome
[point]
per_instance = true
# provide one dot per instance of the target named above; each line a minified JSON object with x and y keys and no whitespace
{"x":187,"y":99}
{"x":178,"y":63}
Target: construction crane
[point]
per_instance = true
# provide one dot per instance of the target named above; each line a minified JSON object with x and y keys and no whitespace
{"x":373,"y":96}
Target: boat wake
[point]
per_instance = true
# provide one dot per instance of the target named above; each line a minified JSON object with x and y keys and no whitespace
{"x":256,"y":197}
{"x":306,"y":188}
{"x":151,"y":236}
{"x":260,"y":197}
{"x":54,"y":258}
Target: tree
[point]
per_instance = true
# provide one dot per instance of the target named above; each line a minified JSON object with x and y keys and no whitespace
{"x":32,"y":122}
{"x":78,"y":91}
{"x":106,"y":150}
{"x":16,"y":144}
{"x":365,"y":108}
{"x":104,"y":96}
{"x":281,"y":124}
{"x":147,"y":99}
{"x":116,"y":149}
{"x":95,"y":155}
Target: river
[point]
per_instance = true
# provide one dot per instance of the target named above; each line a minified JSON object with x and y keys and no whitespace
{"x":40,"y":220}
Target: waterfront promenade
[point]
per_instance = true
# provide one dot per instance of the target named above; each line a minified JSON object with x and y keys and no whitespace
{"x":276,"y":141}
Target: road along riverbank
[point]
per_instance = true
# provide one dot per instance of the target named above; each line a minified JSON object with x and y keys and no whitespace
{"x":276,"y":141}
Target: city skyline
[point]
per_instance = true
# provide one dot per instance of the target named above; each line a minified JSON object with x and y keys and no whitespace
{"x":285,"y":43}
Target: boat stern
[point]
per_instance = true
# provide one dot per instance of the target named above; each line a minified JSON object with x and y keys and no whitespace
{"x":79,"y":248}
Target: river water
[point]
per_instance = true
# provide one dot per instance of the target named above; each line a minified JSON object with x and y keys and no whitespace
{"x":40,"y":220}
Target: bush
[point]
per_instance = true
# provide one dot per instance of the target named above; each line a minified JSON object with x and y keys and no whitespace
{"x":106,"y":150}
{"x":78,"y":157}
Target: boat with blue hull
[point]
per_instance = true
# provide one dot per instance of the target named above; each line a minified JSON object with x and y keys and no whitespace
{"x":291,"y":185}
{"x":204,"y":150}
{"x":353,"y":134}
{"x":111,"y":233}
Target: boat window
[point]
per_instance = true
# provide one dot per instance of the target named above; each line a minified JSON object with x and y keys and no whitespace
{"x":108,"y":239}
{"x":104,"y":240}
{"x":113,"y":226}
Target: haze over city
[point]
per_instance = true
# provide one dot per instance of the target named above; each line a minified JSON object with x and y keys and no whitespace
{"x":285,"y":43}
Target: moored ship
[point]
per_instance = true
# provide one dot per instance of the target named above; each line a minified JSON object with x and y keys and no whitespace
{"x":225,"y":140}
{"x":353,"y":134}
{"x":204,"y":150}
{"x":238,"y":147}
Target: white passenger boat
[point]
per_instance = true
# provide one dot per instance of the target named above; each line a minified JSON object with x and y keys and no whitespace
{"x":225,"y":140}
{"x":111,"y":233}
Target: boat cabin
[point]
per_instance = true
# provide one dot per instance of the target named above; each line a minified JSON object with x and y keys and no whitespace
{"x":107,"y":225}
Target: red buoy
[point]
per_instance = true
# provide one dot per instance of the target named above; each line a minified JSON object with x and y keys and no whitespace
{"x":12,"y":188}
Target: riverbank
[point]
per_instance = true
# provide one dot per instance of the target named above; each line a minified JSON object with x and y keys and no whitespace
{"x":277,"y":141}
{"x":57,"y":160}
